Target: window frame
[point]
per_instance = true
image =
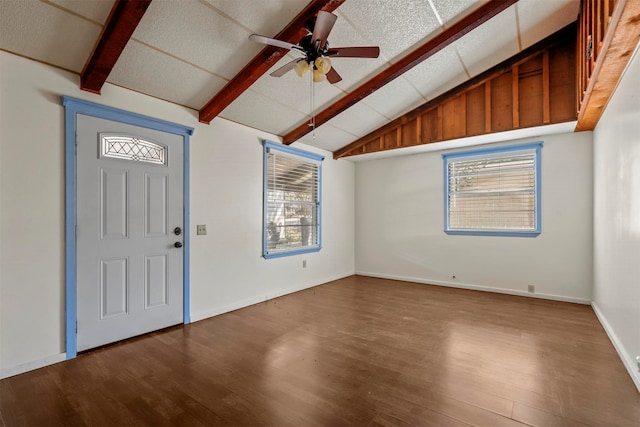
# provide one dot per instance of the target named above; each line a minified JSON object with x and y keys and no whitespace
{"x":488,"y":153}
{"x":303,"y":155}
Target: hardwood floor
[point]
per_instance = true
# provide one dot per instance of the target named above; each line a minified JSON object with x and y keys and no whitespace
{"x":358,"y":351}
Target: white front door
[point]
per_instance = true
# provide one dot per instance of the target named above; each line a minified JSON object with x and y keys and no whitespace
{"x":129,"y":234}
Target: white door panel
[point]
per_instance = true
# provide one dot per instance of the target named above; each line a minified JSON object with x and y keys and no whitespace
{"x":129,"y":201}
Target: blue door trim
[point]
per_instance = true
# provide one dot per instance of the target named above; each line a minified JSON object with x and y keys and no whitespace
{"x":73,"y":107}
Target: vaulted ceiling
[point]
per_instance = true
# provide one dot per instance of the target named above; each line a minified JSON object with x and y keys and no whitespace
{"x":187,"y":51}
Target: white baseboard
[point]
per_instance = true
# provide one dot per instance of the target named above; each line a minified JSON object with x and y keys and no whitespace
{"x":32,"y":365}
{"x":262,"y":298}
{"x":627,"y":359}
{"x":476,"y":287}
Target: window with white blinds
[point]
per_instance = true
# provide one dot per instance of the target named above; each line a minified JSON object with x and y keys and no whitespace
{"x":291,"y":223}
{"x":494,"y":191}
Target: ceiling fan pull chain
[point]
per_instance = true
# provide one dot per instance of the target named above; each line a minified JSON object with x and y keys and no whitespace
{"x":312,"y":123}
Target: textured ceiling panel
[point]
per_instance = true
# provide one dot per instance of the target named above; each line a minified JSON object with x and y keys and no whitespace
{"x":258,"y":111}
{"x":265,"y":17}
{"x":490,"y":43}
{"x":533,"y":17}
{"x":438,"y":74}
{"x":43,"y":32}
{"x":198,"y":34}
{"x":328,"y":138}
{"x":451,"y":11}
{"x":354,"y":71}
{"x":395,"y":98}
{"x":148,"y":71}
{"x":95,"y":10}
{"x":396,"y":26}
{"x":358,"y":120}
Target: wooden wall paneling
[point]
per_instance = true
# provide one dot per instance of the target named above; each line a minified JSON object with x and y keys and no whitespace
{"x":449,"y":118}
{"x":530,"y":92}
{"x":562,"y":94}
{"x":390,"y":140}
{"x":475,"y":111}
{"x":501,"y":103}
{"x":515,"y":82}
{"x":508,"y":96}
{"x":430,"y":126}
{"x":409,"y":136}
{"x":440,"y":123}
{"x":546,"y":108}
{"x":462,"y":105}
{"x":487,"y":106}
{"x":453,"y":118}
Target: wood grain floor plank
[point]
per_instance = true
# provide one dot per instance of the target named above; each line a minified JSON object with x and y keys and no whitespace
{"x":538,"y":418}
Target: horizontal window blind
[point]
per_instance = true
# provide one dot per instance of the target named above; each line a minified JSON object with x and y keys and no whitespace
{"x":292,"y":202}
{"x":494,"y":191}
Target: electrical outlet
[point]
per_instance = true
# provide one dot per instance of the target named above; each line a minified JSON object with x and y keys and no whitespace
{"x":532,"y":289}
{"x":638,"y":360}
{"x":304,"y":263}
{"x":201,"y":229}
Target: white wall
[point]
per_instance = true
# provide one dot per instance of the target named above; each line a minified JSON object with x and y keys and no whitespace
{"x":400,"y":222}
{"x":616,"y":293}
{"x":226,"y":195}
{"x":227,"y":270}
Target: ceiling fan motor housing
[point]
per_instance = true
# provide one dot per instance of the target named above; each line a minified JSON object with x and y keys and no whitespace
{"x":311,"y":51}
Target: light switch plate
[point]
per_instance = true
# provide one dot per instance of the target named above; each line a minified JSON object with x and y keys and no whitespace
{"x":201,"y":229}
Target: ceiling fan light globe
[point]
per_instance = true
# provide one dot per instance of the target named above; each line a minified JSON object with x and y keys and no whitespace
{"x":323,"y":64}
{"x":318,"y":76}
{"x":301,"y":67}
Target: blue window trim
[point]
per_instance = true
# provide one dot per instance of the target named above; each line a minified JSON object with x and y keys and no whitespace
{"x":269,"y":145}
{"x":73,"y":107}
{"x":488,"y":151}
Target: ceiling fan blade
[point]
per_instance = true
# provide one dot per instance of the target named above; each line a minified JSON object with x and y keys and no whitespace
{"x":286,"y":68}
{"x":324,"y":24}
{"x":354,"y":52}
{"x":333,"y":76}
{"x":273,"y":42}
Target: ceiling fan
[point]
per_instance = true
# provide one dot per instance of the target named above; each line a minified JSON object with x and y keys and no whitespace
{"x":316,"y":50}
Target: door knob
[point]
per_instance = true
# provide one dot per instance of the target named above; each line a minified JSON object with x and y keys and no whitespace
{"x":177,"y":231}
{"x":178,"y":244}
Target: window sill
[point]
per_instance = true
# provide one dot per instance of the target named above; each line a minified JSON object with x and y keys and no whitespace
{"x":499,"y":233}
{"x":291,"y":252}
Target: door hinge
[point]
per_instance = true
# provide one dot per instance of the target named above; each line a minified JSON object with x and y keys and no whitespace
{"x":76,"y":326}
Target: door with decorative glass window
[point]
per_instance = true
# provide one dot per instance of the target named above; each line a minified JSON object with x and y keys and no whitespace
{"x":129,"y":236}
